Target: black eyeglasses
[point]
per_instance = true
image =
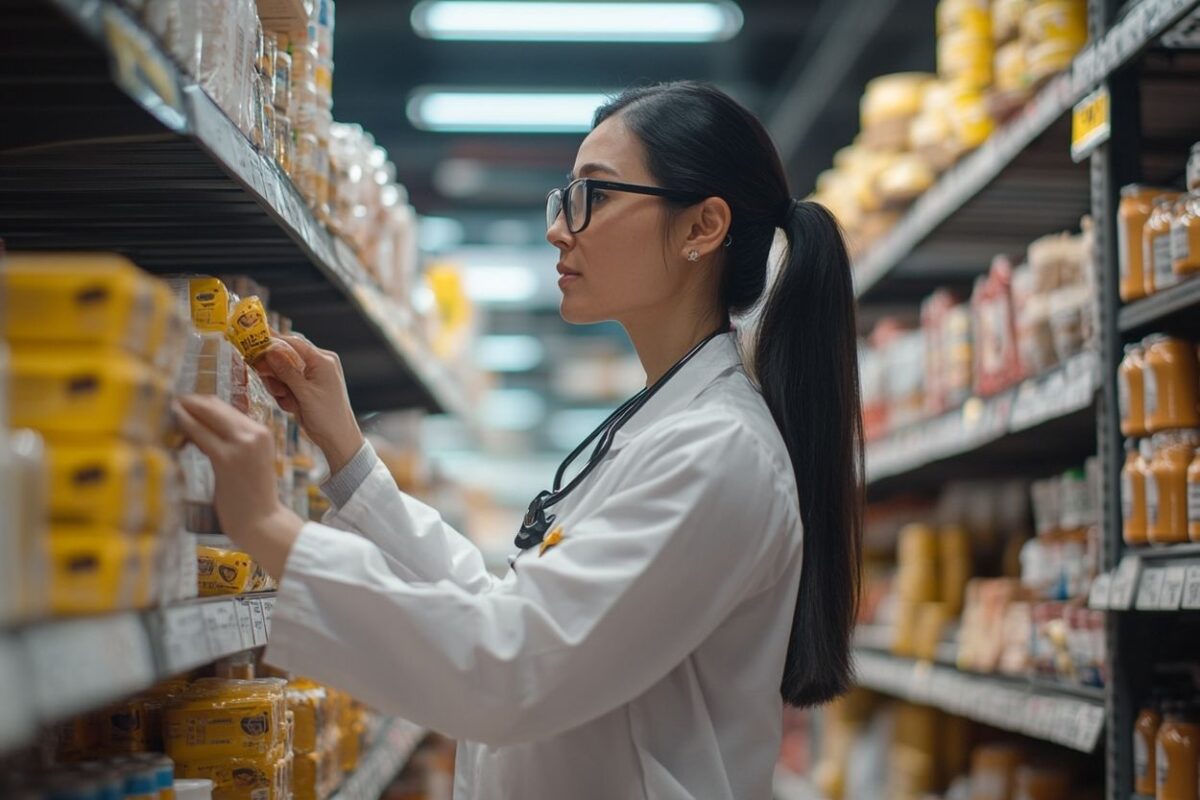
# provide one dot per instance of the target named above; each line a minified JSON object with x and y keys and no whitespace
{"x":579,"y":193}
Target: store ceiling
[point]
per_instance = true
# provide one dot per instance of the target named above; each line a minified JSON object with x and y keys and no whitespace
{"x":820,"y":51}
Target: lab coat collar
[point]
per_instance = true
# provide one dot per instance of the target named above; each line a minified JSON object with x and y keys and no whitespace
{"x":718,"y":357}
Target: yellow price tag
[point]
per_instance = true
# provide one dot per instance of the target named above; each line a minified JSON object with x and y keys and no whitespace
{"x":1090,"y":124}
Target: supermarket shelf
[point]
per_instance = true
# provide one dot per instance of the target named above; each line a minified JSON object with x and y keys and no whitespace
{"x":155,"y":170}
{"x":394,"y":746}
{"x":1040,"y":710}
{"x":1019,"y":185}
{"x":54,"y":670}
{"x":787,"y":785}
{"x":1020,"y":423}
{"x":1172,"y":310}
{"x":1151,"y":579}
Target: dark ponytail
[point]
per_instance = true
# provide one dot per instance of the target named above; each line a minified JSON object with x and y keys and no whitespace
{"x":699,"y":140}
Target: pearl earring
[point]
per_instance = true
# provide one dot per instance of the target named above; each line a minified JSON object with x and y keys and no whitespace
{"x":693,"y":256}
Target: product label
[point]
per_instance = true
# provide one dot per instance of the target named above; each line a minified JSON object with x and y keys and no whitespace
{"x":1126,"y":497}
{"x":1123,"y":396}
{"x":1141,"y":757}
{"x":210,"y":304}
{"x":1151,"y":500}
{"x":1193,"y":503}
{"x":248,"y":329}
{"x":1180,"y":247}
{"x":1150,"y":392}
{"x":1164,"y":275}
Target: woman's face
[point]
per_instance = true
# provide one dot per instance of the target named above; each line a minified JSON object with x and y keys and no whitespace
{"x":619,"y":266}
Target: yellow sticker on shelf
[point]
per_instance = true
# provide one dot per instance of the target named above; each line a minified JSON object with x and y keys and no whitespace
{"x":1090,"y":124}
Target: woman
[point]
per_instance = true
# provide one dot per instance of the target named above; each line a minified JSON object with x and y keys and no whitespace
{"x":655,"y":620}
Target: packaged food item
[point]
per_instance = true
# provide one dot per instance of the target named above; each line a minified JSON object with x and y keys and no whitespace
{"x":220,"y":720}
{"x":224,"y":571}
{"x":99,"y":483}
{"x":1177,"y":748}
{"x":209,"y":304}
{"x":73,"y":393}
{"x":1166,"y":486}
{"x":1193,"y":498}
{"x":90,"y":572}
{"x":1132,"y":214}
{"x":80,"y":300}
{"x":308,"y":703}
{"x":997,"y":357}
{"x":1158,"y":267}
{"x":1145,"y":736}
{"x":1185,"y":236}
{"x":888,"y":107}
{"x":1006,"y":19}
{"x":1131,"y":391}
{"x":1170,"y":383}
{"x":1133,"y":492}
{"x":1010,"y":68}
{"x":248,"y":329}
{"x":965,"y":56}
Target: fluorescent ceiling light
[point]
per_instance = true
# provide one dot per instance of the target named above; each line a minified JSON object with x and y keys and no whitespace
{"x":504,"y":112}
{"x":500,"y":284}
{"x":578,"y":21}
{"x":497,"y":353}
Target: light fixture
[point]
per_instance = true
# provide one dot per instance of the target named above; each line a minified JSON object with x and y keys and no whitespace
{"x":500,"y":284}
{"x":479,"y":20}
{"x":504,"y":111}
{"x":508,"y":353}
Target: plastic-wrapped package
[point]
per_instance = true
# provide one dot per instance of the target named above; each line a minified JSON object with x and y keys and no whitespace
{"x":229,"y":31}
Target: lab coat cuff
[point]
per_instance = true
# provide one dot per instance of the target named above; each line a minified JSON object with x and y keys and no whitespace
{"x":294,"y":603}
{"x":342,"y":485}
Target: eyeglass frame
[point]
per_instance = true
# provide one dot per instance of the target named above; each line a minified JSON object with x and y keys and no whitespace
{"x":616,"y":186}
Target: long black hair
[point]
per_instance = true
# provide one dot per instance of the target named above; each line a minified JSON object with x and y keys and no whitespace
{"x":698,"y":139}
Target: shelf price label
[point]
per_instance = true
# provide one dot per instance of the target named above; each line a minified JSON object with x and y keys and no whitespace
{"x":1191,"y":587}
{"x":1090,"y":124}
{"x":1171,"y":594}
{"x":1150,"y":588}
{"x":1124,"y":583}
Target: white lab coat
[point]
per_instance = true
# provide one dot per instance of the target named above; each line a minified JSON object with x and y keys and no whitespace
{"x":641,"y":657}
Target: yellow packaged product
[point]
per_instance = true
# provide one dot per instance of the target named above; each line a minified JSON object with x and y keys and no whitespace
{"x":1011,"y":72}
{"x":209,"y":300}
{"x":1049,"y":58}
{"x":99,"y":483}
{"x":77,"y":739}
{"x":308,"y":776}
{"x":309,"y":702}
{"x":888,"y":106}
{"x":90,"y":572}
{"x":248,"y":329}
{"x":69,"y":393}
{"x":85,"y":300}
{"x":1006,"y":19}
{"x":964,"y":15}
{"x":969,"y":118}
{"x":966,"y":57}
{"x":1061,"y":22}
{"x":238,"y":777}
{"x":224,"y":571}
{"x":134,"y":726}
{"x":221,"y":719}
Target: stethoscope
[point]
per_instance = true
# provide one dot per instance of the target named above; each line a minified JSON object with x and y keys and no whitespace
{"x":536,"y":522}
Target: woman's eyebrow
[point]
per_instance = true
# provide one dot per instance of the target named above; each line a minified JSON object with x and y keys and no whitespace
{"x":593,"y":167}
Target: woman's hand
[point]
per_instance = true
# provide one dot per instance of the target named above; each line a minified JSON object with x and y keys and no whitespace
{"x":242,"y":453}
{"x":308,"y":382}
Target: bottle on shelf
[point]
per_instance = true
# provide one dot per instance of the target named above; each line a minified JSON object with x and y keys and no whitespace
{"x":1145,"y":736}
{"x":1177,"y":747}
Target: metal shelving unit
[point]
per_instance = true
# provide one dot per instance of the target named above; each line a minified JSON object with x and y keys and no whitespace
{"x":394,"y":745}
{"x":1069,"y":716}
{"x":152,"y":168}
{"x":1023,"y":184}
{"x":40,"y":675}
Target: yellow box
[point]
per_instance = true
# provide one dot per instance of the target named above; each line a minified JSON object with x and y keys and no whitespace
{"x":90,"y":572}
{"x":309,"y":702}
{"x":103,"y":482}
{"x":238,"y":778}
{"x":308,"y":776}
{"x":93,"y":299}
{"x":71,"y":394}
{"x":223,"y":719}
{"x":224,"y":571}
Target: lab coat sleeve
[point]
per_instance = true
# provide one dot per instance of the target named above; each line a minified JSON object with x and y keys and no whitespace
{"x":414,"y":540}
{"x":702,"y":521}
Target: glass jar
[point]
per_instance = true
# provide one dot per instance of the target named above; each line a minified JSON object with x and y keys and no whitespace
{"x":1131,"y":391}
{"x":1145,"y":734}
{"x":1157,"y":273}
{"x":1166,"y":486}
{"x":1193,"y":498}
{"x":1132,"y":214}
{"x":1185,"y":236}
{"x":1176,"y":748}
{"x":1133,"y":493}
{"x":1170,"y":384}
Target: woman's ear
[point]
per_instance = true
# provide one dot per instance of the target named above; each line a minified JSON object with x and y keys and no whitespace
{"x":709,"y":227}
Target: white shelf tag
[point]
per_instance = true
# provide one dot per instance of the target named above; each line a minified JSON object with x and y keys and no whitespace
{"x":1100,"y":590}
{"x":221,"y":623}
{"x":245,"y":620}
{"x":184,"y":641}
{"x":1171,"y":594}
{"x":1191,"y":587}
{"x":268,"y":607}
{"x":260,"y":622}
{"x":1149,"y":587}
{"x":1124,"y":583}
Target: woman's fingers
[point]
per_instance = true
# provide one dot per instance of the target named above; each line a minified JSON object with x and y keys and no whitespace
{"x":216,"y":415}
{"x":197,"y":432}
{"x":308,"y":352}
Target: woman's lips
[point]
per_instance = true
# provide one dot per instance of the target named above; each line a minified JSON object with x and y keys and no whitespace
{"x":566,"y":276}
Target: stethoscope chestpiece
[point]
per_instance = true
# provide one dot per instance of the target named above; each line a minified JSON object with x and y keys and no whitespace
{"x":536,"y":523}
